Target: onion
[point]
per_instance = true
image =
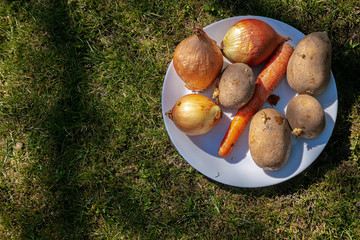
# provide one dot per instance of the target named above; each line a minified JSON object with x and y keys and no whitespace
{"x":195,"y":114}
{"x":198,"y":60}
{"x":250,"y":41}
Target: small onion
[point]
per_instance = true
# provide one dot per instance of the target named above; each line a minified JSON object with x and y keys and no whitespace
{"x":250,"y":41}
{"x":195,"y":114}
{"x":198,"y":60}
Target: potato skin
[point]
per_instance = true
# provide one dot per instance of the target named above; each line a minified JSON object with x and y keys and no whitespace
{"x":269,"y":139}
{"x":309,"y":67}
{"x":236,"y":85}
{"x":306,"y":116}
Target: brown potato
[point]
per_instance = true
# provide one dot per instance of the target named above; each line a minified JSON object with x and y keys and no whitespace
{"x":306,"y":116}
{"x":269,"y":139}
{"x":309,"y":67}
{"x":236,"y":85}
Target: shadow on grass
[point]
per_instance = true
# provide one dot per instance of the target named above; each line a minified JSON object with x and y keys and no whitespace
{"x":67,"y":128}
{"x":344,"y":67}
{"x":66,"y":122}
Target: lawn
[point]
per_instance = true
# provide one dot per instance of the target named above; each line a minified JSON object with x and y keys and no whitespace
{"x":84,"y":153}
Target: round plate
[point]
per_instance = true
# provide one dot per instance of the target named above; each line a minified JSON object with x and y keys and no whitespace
{"x":238,"y":169}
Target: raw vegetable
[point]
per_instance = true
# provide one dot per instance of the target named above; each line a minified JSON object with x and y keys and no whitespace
{"x":306,"y":116}
{"x":198,"y":60}
{"x":309,"y":68}
{"x":269,"y":139}
{"x":273,"y":71}
{"x":250,"y":41}
{"x":236,"y":85}
{"x":195,"y":114}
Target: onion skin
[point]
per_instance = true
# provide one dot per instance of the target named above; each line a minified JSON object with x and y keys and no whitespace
{"x":195,"y":114}
{"x":198,"y":60}
{"x":250,"y":41}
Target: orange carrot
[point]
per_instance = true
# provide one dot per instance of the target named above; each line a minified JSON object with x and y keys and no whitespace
{"x":269,"y":77}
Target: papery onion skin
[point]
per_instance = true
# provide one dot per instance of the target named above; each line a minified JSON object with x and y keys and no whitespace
{"x":195,"y":114}
{"x":198,"y":60}
{"x":250,"y":41}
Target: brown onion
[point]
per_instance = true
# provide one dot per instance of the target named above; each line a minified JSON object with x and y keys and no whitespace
{"x":195,"y":114}
{"x":250,"y":41}
{"x":198,"y":60}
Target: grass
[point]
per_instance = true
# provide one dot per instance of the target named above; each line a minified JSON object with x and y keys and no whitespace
{"x":84,"y":153}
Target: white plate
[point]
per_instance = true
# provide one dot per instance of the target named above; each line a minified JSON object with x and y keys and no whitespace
{"x":238,"y":169}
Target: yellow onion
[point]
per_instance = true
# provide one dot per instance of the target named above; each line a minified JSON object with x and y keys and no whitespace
{"x":195,"y":114}
{"x":250,"y":41}
{"x":198,"y":60}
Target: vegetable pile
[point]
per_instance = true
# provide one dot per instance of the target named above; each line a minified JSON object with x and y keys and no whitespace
{"x":198,"y":61}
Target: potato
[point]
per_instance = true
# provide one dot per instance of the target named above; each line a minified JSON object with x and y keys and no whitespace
{"x":306,"y":116}
{"x":269,"y":139}
{"x":309,"y":67}
{"x":236,"y":85}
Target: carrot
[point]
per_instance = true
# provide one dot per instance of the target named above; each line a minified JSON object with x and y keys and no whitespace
{"x":269,"y":77}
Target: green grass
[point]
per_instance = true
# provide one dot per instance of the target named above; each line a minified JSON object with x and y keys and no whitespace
{"x":84,"y":153}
